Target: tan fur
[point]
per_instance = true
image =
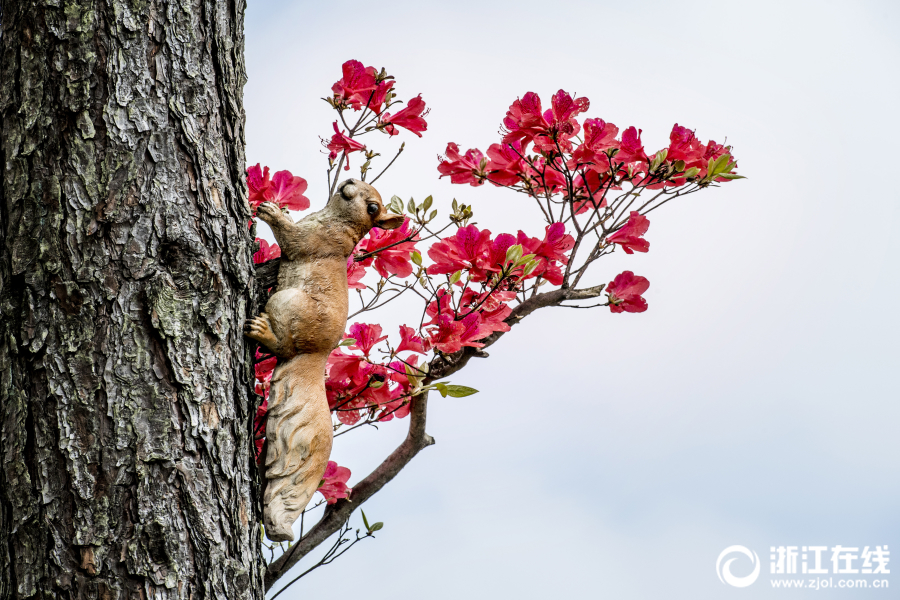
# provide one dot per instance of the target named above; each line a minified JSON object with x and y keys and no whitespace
{"x":303,"y":322}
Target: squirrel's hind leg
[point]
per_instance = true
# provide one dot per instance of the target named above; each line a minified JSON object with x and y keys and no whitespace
{"x":259,"y":329}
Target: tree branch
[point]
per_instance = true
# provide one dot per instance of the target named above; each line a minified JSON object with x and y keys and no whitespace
{"x":447,"y":364}
{"x":416,"y":440}
{"x":337,"y":514}
{"x":267,"y":273}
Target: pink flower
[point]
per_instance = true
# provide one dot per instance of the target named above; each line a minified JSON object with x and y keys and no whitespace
{"x":463,"y":169}
{"x":551,"y":252}
{"x":446,"y":335}
{"x":334,"y":482}
{"x":630,"y":148}
{"x":472,"y":331}
{"x":366,"y":336}
{"x":630,"y":235}
{"x":625,"y":293}
{"x":355,"y":272}
{"x":410,"y":341}
{"x":496,"y":255}
{"x":265,"y":252}
{"x":283,"y":189}
{"x":264,"y":369}
{"x":393,"y":254}
{"x":684,"y":145}
{"x":258,"y":183}
{"x":464,"y":250}
{"x":287,"y":191}
{"x":556,"y":243}
{"x":599,"y":136}
{"x":411,"y":117}
{"x":341,"y":143}
{"x":380,"y":95}
{"x":524,"y":121}
{"x":356,"y":85}
{"x":506,"y":163}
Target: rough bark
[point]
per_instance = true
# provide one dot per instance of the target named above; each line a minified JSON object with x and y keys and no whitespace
{"x":125,"y":264}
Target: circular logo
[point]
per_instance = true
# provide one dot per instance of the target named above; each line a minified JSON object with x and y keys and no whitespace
{"x":724,"y":570}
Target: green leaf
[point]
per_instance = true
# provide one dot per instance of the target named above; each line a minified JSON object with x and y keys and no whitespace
{"x":721,"y":164}
{"x":455,"y":277}
{"x":442,"y":388}
{"x":514,"y":253}
{"x":455,"y":205}
{"x":460,"y":391}
{"x":376,"y":526}
{"x":376,"y":384}
{"x":432,"y":215}
{"x":524,"y":260}
{"x":396,"y":205}
{"x":658,"y":159}
{"x":530,"y":267}
{"x":416,"y":258}
{"x":347,"y":342}
{"x":365,"y":520}
{"x":411,"y":206}
{"x":692,"y":172}
{"x":731,"y":176}
{"x":427,"y":204}
{"x":679,"y":166}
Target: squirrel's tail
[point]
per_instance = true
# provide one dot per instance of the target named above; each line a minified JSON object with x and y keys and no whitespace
{"x":298,"y":441}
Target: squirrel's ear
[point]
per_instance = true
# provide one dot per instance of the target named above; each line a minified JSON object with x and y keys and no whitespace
{"x":389,"y":221}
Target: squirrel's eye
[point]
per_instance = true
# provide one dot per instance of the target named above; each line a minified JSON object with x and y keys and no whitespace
{"x":372,"y":209}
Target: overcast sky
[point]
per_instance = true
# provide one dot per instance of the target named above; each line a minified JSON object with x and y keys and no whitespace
{"x":754,"y":403}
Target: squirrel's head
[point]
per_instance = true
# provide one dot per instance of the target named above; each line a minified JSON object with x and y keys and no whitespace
{"x":359,"y":204}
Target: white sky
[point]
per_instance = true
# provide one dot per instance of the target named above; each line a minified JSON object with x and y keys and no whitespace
{"x":754,"y":403}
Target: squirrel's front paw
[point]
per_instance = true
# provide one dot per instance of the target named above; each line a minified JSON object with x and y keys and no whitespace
{"x":268,"y":211}
{"x":258,"y":328}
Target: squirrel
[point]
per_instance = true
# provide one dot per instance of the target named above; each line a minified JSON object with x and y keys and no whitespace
{"x":303,"y":322}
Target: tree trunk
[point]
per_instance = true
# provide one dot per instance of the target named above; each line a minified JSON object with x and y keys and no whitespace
{"x":125,"y":270}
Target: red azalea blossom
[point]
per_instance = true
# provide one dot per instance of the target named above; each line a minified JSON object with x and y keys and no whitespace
{"x":410,"y":341}
{"x":287,"y":191}
{"x":265,"y":252}
{"x":358,"y":88}
{"x":524,"y":121}
{"x":506,"y":165}
{"x":445,"y":336}
{"x":550,"y":252}
{"x":366,"y":337}
{"x":630,"y":235}
{"x":599,"y":136}
{"x":355,"y":272}
{"x":412,"y":117}
{"x":258,"y":183}
{"x":630,"y":148}
{"x":334,"y":482}
{"x":341,"y":143}
{"x":684,"y":145}
{"x":283,"y":189}
{"x":625,"y":293}
{"x":393,"y":254}
{"x":468,"y":168}
{"x":464,"y":250}
{"x":356,"y":85}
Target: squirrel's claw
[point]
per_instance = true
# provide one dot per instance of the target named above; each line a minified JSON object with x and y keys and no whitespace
{"x":258,"y":329}
{"x":268,"y":211}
